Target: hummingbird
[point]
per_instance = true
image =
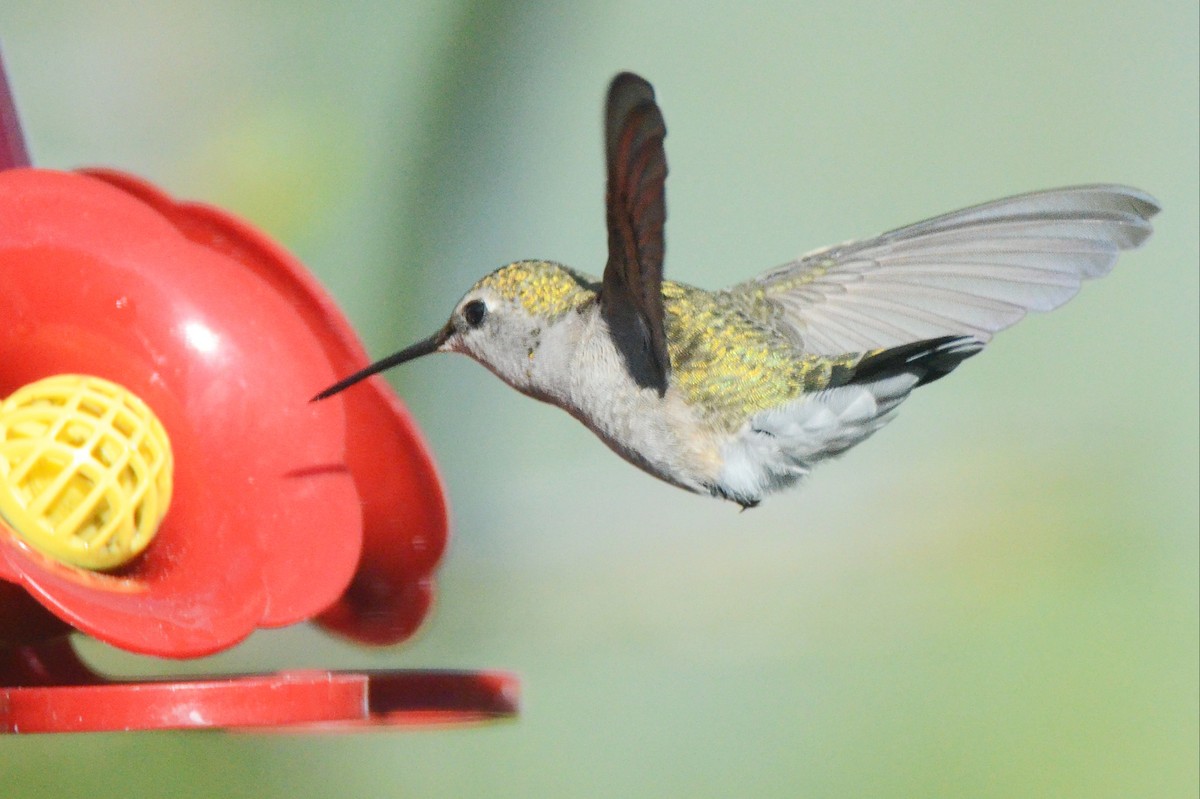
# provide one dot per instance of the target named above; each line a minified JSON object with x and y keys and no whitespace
{"x":739,"y":393}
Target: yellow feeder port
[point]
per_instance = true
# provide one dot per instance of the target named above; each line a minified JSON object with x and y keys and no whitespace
{"x":85,"y":470}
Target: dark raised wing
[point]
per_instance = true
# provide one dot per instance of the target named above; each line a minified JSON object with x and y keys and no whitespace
{"x":631,"y":295}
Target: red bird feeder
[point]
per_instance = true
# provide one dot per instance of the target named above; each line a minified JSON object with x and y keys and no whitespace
{"x":165,"y":484}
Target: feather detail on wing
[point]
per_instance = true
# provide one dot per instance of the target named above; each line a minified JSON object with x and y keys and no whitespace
{"x":972,"y":272}
{"x":631,"y":294}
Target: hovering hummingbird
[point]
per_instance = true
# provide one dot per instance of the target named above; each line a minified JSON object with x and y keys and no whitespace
{"x":740,"y":392}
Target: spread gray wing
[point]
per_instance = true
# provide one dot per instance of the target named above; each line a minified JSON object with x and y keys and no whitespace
{"x":971,"y":272}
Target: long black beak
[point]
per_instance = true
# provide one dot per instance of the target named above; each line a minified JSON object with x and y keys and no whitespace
{"x":423,"y":347}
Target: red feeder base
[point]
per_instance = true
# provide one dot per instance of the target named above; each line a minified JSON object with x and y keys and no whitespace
{"x":53,"y":691}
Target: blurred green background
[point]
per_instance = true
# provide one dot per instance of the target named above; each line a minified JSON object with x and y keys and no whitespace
{"x":997,"y":596}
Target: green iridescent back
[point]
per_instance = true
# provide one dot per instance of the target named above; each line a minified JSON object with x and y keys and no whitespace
{"x":727,"y":359}
{"x":733,"y":366}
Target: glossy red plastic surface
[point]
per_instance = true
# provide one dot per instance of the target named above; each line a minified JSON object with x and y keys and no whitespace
{"x":78,"y":700}
{"x":226,"y":337}
{"x":402,"y":502}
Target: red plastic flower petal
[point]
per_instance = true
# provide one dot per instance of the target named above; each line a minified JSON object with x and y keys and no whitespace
{"x":225,"y":336}
{"x":403,"y":506}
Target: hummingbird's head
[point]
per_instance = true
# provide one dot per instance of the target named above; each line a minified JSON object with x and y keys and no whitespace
{"x":501,"y":322}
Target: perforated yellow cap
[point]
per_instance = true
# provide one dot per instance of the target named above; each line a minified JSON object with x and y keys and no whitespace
{"x":85,"y":470}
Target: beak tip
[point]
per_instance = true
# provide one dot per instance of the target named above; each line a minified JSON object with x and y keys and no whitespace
{"x":326,"y":393}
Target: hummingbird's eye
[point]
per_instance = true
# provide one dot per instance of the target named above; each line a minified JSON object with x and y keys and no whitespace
{"x":474,"y":312}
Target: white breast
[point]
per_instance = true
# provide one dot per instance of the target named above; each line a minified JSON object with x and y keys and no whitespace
{"x":658,"y":434}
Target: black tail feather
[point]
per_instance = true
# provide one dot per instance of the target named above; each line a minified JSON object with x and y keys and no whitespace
{"x":929,"y":360}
